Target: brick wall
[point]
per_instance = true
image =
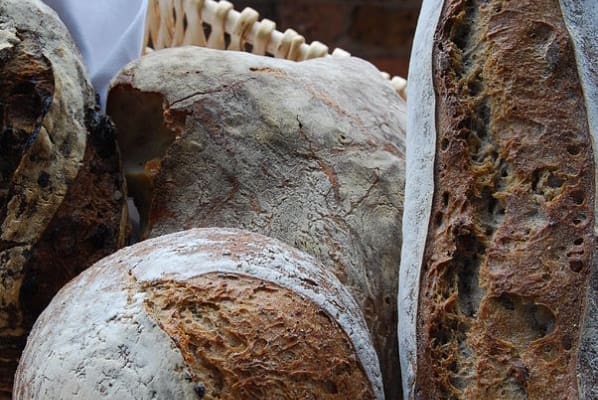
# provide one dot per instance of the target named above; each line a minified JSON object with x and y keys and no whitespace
{"x":379,"y":31}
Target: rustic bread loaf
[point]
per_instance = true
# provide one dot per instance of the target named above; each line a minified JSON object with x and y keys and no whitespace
{"x":309,"y":153}
{"x":499,"y":270}
{"x":61,"y":189}
{"x":201,"y":314}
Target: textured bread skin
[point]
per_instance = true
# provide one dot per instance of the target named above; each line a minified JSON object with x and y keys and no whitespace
{"x":207,"y":313}
{"x":61,"y":187}
{"x":505,"y":275}
{"x":310,"y":153}
{"x":262,"y":358}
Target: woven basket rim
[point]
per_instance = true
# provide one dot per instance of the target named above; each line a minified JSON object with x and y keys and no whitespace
{"x":174,"y":23}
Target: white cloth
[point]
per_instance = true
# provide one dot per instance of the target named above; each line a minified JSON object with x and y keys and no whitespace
{"x":109,"y":34}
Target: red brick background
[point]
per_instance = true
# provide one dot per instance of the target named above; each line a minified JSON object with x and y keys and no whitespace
{"x":379,"y":31}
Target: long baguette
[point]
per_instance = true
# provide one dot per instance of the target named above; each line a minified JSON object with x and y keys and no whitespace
{"x":498,"y":276}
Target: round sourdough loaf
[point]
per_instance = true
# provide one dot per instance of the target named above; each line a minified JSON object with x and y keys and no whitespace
{"x":310,"y":153}
{"x":61,"y":189}
{"x":499,"y":275}
{"x":201,"y":314}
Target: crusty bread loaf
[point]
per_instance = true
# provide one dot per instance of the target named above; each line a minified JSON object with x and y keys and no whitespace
{"x":495,"y":279}
{"x":202,"y":314}
{"x":61,"y":189}
{"x":309,"y":153}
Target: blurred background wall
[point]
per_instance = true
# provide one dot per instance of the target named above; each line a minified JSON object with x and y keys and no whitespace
{"x":379,"y":31}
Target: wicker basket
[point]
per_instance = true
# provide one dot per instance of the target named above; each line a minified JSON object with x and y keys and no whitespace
{"x":207,"y":23}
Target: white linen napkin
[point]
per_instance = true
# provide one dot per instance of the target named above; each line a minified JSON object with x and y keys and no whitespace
{"x":109,"y":34}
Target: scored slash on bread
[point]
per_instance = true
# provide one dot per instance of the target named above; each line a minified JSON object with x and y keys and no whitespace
{"x":498,"y":280}
{"x":206,"y":313}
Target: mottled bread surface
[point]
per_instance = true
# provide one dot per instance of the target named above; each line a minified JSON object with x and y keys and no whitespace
{"x":288,"y":349}
{"x":61,"y":187}
{"x":310,"y":153}
{"x":510,"y":240}
{"x":202,"y":314}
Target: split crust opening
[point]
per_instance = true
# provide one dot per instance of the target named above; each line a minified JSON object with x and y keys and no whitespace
{"x":510,"y":239}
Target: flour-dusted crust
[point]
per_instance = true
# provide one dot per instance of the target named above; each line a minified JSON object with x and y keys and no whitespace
{"x":95,"y":341}
{"x":310,"y":153}
{"x":419,"y":186}
{"x":61,"y":190}
{"x":179,"y":315}
{"x":506,"y":285}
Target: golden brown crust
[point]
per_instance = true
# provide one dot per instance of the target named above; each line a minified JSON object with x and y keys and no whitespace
{"x":245,"y":338}
{"x":510,"y":239}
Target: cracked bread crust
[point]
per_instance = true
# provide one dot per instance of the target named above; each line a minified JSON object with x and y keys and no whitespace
{"x":310,"y":153}
{"x":268,"y":357}
{"x":215,"y":313}
{"x":510,"y":244}
{"x":61,"y":187}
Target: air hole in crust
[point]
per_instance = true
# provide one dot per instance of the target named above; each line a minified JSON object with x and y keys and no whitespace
{"x":444,"y":144}
{"x":460,"y":34}
{"x":474,"y":86}
{"x":541,"y":32}
{"x":445,"y":199}
{"x":575,"y":265}
{"x":579,"y":219}
{"x":578,"y":241}
{"x":573,"y":150}
{"x":546,"y":183}
{"x":578,"y":197}
{"x":520,"y":320}
{"x":331,"y":387}
{"x":438,"y":219}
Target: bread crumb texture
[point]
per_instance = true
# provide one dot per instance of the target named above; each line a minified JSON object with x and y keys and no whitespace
{"x":510,"y":240}
{"x":244,"y":338}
